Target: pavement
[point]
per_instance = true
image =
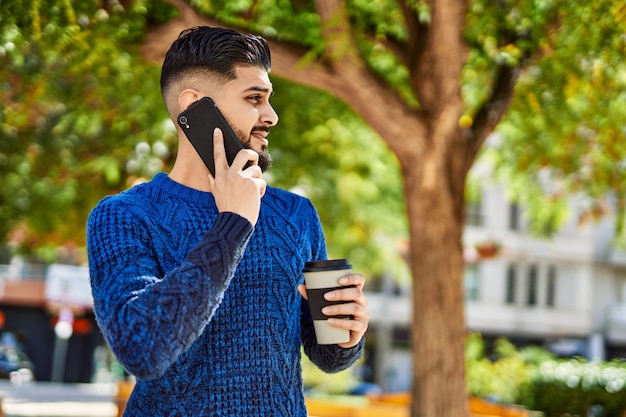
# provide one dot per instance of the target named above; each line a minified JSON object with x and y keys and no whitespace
{"x":49,"y":399}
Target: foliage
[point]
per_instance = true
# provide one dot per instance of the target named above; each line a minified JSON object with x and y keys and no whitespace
{"x":579,"y":387}
{"x":533,"y":377}
{"x":565,"y":130}
{"x":285,"y":20}
{"x":503,"y":375}
{"x":76,"y":100}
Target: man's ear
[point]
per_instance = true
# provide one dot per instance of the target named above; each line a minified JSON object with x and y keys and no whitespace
{"x":187,"y":97}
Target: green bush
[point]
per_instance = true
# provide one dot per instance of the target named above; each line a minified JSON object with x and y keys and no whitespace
{"x":578,"y":387}
{"x":536,"y":379}
{"x":505,"y":375}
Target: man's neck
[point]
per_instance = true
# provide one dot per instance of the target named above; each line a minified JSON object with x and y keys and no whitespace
{"x":189,"y":169}
{"x":191,"y":175}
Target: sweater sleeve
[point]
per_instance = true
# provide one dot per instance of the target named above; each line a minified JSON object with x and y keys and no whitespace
{"x":149,"y":320}
{"x":329,"y":358}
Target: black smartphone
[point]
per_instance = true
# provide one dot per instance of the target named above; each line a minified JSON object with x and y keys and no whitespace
{"x":198,"y":123}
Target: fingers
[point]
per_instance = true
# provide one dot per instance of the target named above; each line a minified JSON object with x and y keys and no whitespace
{"x":219,"y":153}
{"x":302,"y":291}
{"x":355,"y":305}
{"x":242,"y":158}
{"x":254,"y":171}
{"x":357,"y":327}
{"x":353,"y":291}
{"x":236,"y":189}
{"x":354,"y":309}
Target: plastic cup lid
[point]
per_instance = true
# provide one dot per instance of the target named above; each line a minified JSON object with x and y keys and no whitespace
{"x":328,"y":265}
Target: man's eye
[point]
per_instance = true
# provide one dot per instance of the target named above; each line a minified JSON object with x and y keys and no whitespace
{"x":255,"y":98}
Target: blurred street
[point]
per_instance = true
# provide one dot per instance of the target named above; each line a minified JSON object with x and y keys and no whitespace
{"x":46,"y":399}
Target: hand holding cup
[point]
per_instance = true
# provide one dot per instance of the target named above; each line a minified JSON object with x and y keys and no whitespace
{"x":336,"y":301}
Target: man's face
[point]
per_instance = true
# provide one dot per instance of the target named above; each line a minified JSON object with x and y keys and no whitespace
{"x":245,"y":104}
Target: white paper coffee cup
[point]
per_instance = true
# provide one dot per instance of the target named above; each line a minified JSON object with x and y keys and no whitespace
{"x":321,"y":277}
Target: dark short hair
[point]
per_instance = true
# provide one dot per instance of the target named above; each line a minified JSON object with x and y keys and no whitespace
{"x":213,"y":50}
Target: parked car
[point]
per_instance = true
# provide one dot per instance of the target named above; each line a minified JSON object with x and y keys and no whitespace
{"x":15,"y":365}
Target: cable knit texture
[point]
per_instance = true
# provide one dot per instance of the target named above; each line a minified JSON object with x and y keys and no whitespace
{"x":203,"y":308}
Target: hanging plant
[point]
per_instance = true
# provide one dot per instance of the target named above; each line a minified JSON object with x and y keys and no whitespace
{"x":488,"y":249}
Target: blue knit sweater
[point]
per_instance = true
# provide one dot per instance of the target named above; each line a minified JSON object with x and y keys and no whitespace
{"x":203,"y":308}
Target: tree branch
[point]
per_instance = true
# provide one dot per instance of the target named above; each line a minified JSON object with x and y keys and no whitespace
{"x":353,"y":81}
{"x":436,"y":72}
{"x":492,"y":111}
{"x":418,"y":33}
{"x":336,"y":31}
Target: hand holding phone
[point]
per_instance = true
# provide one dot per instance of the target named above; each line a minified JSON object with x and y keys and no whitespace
{"x":237,"y":189}
{"x":198,"y":122}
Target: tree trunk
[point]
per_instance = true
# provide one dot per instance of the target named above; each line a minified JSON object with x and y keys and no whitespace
{"x":435,"y":216}
{"x":438,"y":314}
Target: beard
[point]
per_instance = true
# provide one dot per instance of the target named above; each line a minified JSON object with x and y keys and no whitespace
{"x":265,"y":159}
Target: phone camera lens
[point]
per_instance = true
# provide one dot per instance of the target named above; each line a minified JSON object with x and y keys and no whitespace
{"x":183,"y":120}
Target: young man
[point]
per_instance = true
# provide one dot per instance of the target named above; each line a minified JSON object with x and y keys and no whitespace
{"x":196,"y":279}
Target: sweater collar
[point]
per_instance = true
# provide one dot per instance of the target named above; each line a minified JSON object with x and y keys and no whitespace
{"x":168,"y":186}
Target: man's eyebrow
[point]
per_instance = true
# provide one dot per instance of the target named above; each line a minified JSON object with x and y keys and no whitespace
{"x":260,"y":89}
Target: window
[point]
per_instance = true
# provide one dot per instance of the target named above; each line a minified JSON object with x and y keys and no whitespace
{"x":531,"y":298}
{"x":551,"y":290}
{"x":471,"y":282}
{"x":514,"y":215}
{"x":511,"y":282}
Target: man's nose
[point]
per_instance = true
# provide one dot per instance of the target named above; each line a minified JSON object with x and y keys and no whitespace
{"x":269,"y":116}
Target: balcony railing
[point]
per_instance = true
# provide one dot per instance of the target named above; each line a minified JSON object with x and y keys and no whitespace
{"x":504,"y":318}
{"x":23,"y":270}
